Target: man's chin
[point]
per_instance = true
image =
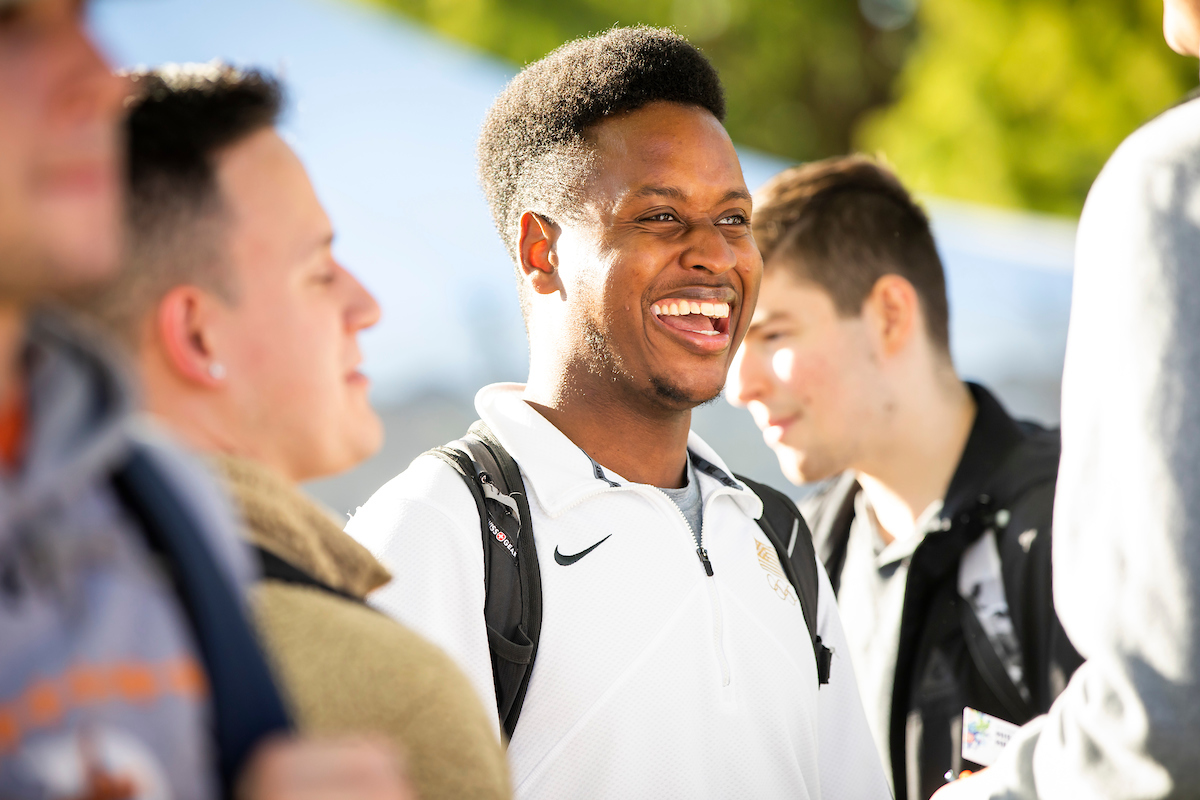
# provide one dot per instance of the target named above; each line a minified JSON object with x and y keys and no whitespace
{"x":684,"y":397}
{"x":802,"y":468}
{"x":368,"y":436}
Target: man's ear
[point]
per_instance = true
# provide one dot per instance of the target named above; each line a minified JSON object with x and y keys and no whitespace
{"x":539,"y":257}
{"x":183,"y":324}
{"x":895,"y":311}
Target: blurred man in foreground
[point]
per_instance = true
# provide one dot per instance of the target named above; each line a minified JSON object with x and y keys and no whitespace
{"x":1127,"y":518}
{"x":674,"y":659}
{"x":127,"y":669}
{"x":935,"y":523}
{"x":244,"y":328}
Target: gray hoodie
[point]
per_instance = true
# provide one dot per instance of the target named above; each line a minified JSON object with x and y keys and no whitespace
{"x":1127,"y":517}
{"x":101,"y":686}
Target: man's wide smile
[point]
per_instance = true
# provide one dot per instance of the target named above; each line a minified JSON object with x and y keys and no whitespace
{"x":700,"y":324}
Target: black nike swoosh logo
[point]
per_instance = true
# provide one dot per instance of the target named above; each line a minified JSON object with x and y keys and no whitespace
{"x":566,"y":560}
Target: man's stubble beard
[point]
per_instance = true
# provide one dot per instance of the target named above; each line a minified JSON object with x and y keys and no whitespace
{"x":603,"y":361}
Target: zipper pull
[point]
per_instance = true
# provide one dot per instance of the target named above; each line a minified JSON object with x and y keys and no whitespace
{"x":700,"y":551}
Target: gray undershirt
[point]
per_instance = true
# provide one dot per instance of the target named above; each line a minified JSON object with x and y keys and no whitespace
{"x":688,"y":499}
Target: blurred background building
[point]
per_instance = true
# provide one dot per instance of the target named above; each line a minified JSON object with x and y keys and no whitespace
{"x":1009,"y":107}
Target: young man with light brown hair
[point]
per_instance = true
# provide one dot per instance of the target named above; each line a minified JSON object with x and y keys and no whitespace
{"x":934,"y":523}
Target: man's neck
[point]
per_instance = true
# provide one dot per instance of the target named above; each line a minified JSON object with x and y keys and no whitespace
{"x":12,"y":331}
{"x":913,"y":468}
{"x":629,"y":435}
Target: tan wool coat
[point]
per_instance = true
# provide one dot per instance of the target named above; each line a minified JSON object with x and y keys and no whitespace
{"x":347,"y":668}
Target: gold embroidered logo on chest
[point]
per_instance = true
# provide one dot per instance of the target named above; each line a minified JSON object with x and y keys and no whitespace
{"x":768,"y":559}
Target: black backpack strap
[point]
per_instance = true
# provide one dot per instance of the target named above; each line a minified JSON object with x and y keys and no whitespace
{"x":835,"y":515}
{"x":513,"y":597}
{"x":1017,"y":475}
{"x":991,"y":667}
{"x":247,"y":707}
{"x":786,"y":530}
{"x":275,"y":568}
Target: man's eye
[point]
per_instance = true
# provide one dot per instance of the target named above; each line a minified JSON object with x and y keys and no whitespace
{"x":733,"y":219}
{"x":664,"y":216}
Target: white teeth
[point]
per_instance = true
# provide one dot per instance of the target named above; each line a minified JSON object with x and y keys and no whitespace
{"x":675,"y":308}
{"x":654,"y":310}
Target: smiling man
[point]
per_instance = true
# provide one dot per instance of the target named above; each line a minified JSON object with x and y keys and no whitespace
{"x":673,"y":660}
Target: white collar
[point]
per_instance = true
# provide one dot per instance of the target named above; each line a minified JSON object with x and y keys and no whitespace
{"x":562,"y":475}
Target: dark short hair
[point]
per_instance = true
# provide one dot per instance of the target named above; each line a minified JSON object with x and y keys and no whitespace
{"x":843,"y":223}
{"x":180,"y":118}
{"x":533,"y":151}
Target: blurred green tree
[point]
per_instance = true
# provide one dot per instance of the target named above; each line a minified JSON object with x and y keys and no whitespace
{"x":798,"y":74}
{"x":1020,"y":102}
{"x":1007,"y":102}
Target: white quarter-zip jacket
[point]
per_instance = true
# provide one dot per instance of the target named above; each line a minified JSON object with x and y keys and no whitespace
{"x":652,"y":678}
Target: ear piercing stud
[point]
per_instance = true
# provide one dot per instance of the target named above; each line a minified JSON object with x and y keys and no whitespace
{"x":216,"y":371}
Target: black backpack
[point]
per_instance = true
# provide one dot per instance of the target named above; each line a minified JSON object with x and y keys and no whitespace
{"x":1029,"y":466}
{"x":513,"y":604}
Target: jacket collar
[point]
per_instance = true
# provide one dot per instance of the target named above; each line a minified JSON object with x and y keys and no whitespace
{"x":993,"y":437}
{"x":562,"y":475}
{"x":281,"y":520}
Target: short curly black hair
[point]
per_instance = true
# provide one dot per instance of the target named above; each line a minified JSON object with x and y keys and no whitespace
{"x":533,"y":150}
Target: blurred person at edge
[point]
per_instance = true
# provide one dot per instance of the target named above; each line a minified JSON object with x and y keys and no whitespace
{"x":244,"y":327}
{"x":115,"y":680}
{"x":934,"y":495}
{"x":1127,"y":517}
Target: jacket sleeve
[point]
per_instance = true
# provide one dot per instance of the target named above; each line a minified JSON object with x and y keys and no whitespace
{"x":424,"y":528}
{"x":849,"y":763}
{"x":1127,"y":515}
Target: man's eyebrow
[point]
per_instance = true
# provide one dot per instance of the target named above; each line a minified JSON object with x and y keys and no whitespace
{"x":676,"y":193}
{"x":736,"y":194}
{"x":661,"y":191}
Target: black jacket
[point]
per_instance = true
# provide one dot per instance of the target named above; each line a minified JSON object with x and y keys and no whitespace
{"x":1004,"y":483}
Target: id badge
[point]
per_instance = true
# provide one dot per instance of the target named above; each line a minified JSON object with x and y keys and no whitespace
{"x":984,"y":737}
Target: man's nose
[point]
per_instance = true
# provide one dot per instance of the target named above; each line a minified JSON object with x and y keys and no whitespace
{"x":363,"y":311}
{"x":709,"y":249}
